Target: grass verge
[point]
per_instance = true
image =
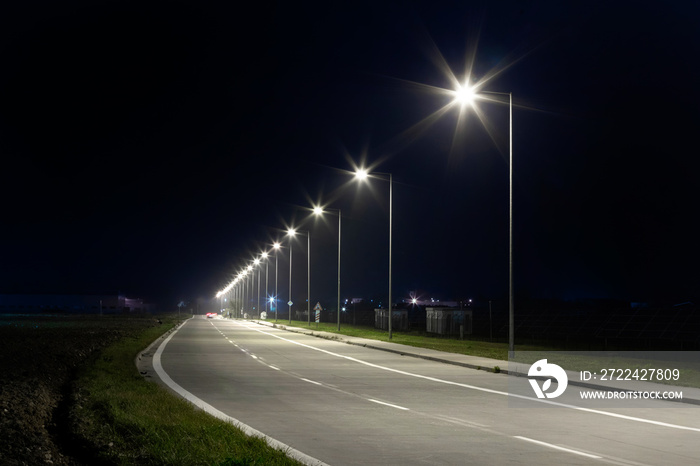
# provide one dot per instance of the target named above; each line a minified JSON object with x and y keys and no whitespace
{"x":125,"y":419}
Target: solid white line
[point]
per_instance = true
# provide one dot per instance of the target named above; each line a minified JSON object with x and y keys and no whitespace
{"x":481,"y":389}
{"x":388,"y":404}
{"x":568,"y":450}
{"x":311,"y":381}
{"x":204,"y":406}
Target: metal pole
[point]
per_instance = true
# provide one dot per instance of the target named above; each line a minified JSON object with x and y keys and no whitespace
{"x":267,"y":265}
{"x":339,"y":217}
{"x":511,"y":305}
{"x":289,"y":303}
{"x":391,"y":189}
{"x":511,"y":316}
{"x":490,"y":323}
{"x":308,"y":275}
{"x":276,"y":269}
{"x":258,"y":292}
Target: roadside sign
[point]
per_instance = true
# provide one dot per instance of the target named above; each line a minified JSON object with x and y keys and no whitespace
{"x":318,"y":307}
{"x":290,"y":303}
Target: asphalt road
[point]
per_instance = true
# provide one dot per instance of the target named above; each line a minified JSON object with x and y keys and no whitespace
{"x":344,"y":405}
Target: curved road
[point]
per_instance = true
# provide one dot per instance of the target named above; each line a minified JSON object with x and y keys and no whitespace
{"x":345,"y":405}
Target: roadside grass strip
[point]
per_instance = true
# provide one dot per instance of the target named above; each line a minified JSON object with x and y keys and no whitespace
{"x":126,"y":419}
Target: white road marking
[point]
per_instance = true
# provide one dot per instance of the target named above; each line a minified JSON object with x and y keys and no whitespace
{"x":481,"y":389}
{"x":388,"y":404}
{"x":556,"y":447}
{"x":445,"y":418}
{"x":311,"y":381}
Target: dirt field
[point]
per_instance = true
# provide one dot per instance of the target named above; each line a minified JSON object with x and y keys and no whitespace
{"x":39,"y":357}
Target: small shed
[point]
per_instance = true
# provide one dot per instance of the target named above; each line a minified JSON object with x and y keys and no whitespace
{"x":446,"y":321}
{"x":399,"y":319}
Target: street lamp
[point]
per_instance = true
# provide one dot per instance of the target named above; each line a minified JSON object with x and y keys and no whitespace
{"x":276,"y":247}
{"x":319,"y":211}
{"x":466,"y":95}
{"x":291,"y":233}
{"x":232,"y":298}
{"x":241,"y":292}
{"x":234,"y":295}
{"x":362,"y":174}
{"x":239,"y":295}
{"x":257,"y":263}
{"x":249,"y":271}
{"x":267,"y":264}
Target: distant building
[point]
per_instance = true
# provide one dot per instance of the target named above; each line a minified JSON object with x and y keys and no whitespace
{"x":446,"y":321}
{"x":73,"y":304}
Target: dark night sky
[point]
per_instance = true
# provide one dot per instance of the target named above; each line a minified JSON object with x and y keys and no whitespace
{"x":152,"y":147}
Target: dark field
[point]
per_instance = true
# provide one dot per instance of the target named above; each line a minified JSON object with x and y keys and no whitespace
{"x":39,"y":358}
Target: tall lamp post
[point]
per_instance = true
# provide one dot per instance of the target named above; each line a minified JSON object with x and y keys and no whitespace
{"x":239,"y":295}
{"x":249,"y":269}
{"x":241,"y":291}
{"x":308,"y":276}
{"x":320,"y":211}
{"x":257,"y":264}
{"x":466,"y":95}
{"x":361,"y":174}
{"x":291,"y":232}
{"x":234,"y":291}
{"x":244,"y":291}
{"x":276,"y":246}
{"x":267,"y":265}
